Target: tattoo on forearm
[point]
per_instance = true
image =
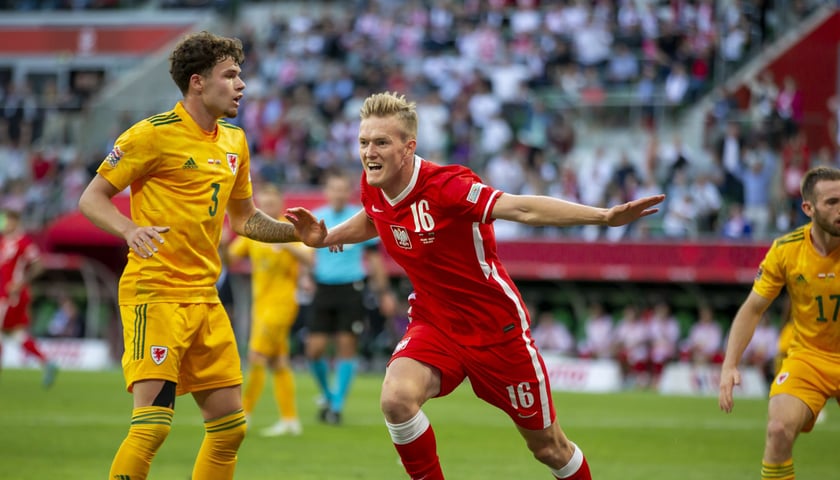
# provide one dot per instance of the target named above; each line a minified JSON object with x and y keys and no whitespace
{"x":263,"y":228}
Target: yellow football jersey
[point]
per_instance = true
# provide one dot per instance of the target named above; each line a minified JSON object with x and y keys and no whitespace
{"x":813,"y":284}
{"x":274,"y":277}
{"x":181,"y":177}
{"x":785,"y":338}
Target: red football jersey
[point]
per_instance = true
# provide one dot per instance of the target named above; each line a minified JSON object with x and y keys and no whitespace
{"x":17,"y":251}
{"x":439,"y":230}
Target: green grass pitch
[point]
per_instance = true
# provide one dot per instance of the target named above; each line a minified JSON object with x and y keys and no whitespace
{"x":72,"y":431}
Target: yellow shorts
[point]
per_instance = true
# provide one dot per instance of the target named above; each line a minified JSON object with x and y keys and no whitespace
{"x":270,"y":332}
{"x":189,"y":344}
{"x":810,"y":378}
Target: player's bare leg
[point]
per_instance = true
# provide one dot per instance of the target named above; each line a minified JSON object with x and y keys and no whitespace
{"x":407,"y":386}
{"x":787,"y":415}
{"x":224,"y":430}
{"x":551,"y":447}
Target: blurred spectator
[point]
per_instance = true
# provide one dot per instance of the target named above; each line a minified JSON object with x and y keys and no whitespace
{"x":756,"y":176}
{"x":593,"y":43}
{"x":19,"y":114}
{"x":552,"y":335}
{"x":729,"y":154}
{"x":734,"y":44}
{"x":598,"y":334}
{"x":705,"y":337}
{"x":433,"y":118}
{"x":506,"y":170}
{"x":483,"y":104}
{"x":763,"y":94}
{"x":623,"y":66}
{"x":796,"y":160}
{"x":789,"y":106}
{"x":736,"y":226}
{"x":676,"y":84}
{"x":633,"y":341}
{"x":709,"y":202}
{"x":680,"y":219}
{"x":67,"y":319}
{"x":665,"y":334}
{"x":495,"y":136}
{"x":762,"y":350}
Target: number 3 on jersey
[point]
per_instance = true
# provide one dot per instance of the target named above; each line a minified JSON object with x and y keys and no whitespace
{"x":423,"y":220}
{"x":212,"y":209}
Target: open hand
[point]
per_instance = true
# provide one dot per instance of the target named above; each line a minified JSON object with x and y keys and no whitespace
{"x":634,"y":210}
{"x":310,"y":230}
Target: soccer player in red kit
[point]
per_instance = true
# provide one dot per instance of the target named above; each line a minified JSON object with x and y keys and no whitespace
{"x":19,"y":264}
{"x":468,"y":319}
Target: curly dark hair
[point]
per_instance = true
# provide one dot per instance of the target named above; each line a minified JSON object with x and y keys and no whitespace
{"x":199,"y":53}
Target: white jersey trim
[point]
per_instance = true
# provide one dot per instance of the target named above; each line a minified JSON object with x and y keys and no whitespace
{"x":491,"y":271}
{"x":408,"y":188}
{"x":486,"y":215}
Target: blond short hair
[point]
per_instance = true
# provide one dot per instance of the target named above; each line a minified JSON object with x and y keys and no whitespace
{"x":388,"y":104}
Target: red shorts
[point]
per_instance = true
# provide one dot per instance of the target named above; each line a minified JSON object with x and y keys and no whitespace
{"x":14,"y":316}
{"x":510,"y":376}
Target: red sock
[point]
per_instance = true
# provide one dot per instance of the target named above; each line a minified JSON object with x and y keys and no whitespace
{"x":30,"y":348}
{"x":415,"y":442}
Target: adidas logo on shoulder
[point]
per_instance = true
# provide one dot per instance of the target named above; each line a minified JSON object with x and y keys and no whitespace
{"x":190,"y":164}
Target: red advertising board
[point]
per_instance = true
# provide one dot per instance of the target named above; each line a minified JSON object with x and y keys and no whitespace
{"x":88,"y":40}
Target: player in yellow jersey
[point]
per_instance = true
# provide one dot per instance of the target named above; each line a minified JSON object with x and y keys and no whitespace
{"x":807,"y":263}
{"x":185,"y":168}
{"x":274,"y":278}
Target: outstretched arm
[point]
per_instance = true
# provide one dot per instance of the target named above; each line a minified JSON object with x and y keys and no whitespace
{"x":314,"y":233}
{"x":740,"y":335}
{"x":95,"y":203}
{"x":538,"y":210}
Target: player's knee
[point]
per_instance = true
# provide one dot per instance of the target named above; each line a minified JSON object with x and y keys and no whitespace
{"x":149,"y":428}
{"x":150,"y":438}
{"x":236,"y":435}
{"x":397,"y":406}
{"x":225,"y":441}
{"x":258,"y":359}
{"x":780,"y":434}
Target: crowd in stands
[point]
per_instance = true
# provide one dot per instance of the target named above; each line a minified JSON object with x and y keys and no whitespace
{"x":645,"y":338}
{"x":499,"y":86}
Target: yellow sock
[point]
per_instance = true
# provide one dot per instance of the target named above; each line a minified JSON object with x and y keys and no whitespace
{"x":284,"y":392}
{"x":217,"y":457}
{"x":777,"y":471}
{"x":149,"y":428}
{"x":253,"y":387}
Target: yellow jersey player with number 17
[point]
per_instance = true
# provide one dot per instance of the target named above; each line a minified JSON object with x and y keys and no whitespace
{"x":185,"y":168}
{"x":806,"y":262}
